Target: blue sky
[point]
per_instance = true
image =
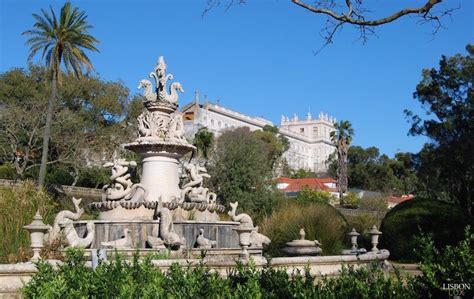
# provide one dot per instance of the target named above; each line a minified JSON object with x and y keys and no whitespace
{"x":258,"y":58}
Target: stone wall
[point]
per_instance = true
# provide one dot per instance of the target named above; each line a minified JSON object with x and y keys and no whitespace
{"x":68,"y":190}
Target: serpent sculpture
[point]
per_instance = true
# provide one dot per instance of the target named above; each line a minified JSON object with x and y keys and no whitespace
{"x":54,"y":233}
{"x":63,"y":225}
{"x":121,"y":188}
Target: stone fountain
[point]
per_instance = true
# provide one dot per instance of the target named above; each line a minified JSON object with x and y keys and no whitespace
{"x":156,"y":212}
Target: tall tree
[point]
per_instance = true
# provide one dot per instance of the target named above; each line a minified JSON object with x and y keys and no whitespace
{"x":89,"y":112}
{"x":203,"y":141}
{"x":241,"y":169}
{"x":446,"y":163}
{"x":342,"y":138}
{"x":62,"y":41}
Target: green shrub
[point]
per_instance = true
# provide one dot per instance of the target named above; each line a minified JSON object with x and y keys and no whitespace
{"x":59,"y":175}
{"x":309,"y":196}
{"x":373,"y":204}
{"x":93,"y":177}
{"x":446,"y":222}
{"x":351,"y":200}
{"x":321,"y":221}
{"x":451,"y":264}
{"x":140,"y":279}
{"x":18,"y":205}
{"x":7,"y":171}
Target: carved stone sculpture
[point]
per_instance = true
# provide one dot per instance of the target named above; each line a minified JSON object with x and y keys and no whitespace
{"x":167,"y":234}
{"x":194,"y":189}
{"x":302,"y":247}
{"x":121,"y":187}
{"x":176,"y":127}
{"x":203,"y":242}
{"x":73,"y":239}
{"x":257,"y":239}
{"x":148,"y":93}
{"x":152,"y":125}
{"x":123,"y":243}
{"x":64,"y":226}
{"x":54,"y":233}
{"x":244,"y":219}
{"x":153,"y":240}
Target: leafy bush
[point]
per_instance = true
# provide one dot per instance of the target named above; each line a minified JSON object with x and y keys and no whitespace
{"x":446,"y":222}
{"x":59,"y":174}
{"x":93,"y":177}
{"x":140,"y":279}
{"x":321,"y":221}
{"x":18,"y":205}
{"x":452,"y":264}
{"x":309,"y":196}
{"x":7,"y":171}
{"x":373,"y":204}
{"x":351,"y":200}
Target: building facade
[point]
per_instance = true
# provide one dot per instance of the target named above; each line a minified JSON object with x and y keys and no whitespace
{"x":310,"y":143}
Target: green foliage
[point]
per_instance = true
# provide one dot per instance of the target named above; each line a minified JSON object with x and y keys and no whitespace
{"x":451,"y":264}
{"x":314,"y":196}
{"x":302,"y":173}
{"x":445,"y":221}
{"x":369,"y":170}
{"x":342,"y":139}
{"x":373,"y":204}
{"x":203,"y":141}
{"x":446,"y":164}
{"x":59,"y":175}
{"x":93,"y":177}
{"x":138,"y":278}
{"x":351,"y":200}
{"x":241,"y":167}
{"x":18,"y":205}
{"x":87,"y":111}
{"x":7,"y":171}
{"x":321,"y":221}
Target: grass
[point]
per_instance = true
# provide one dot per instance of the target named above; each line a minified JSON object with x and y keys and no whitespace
{"x":321,"y":221}
{"x":18,"y":205}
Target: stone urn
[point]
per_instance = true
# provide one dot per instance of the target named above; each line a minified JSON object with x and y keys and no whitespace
{"x":302,"y":247}
{"x":37,"y":229}
{"x":244,"y":239}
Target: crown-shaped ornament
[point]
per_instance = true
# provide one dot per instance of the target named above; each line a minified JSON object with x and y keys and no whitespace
{"x":162,"y":99}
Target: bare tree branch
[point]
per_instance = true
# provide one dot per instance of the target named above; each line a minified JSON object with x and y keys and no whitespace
{"x":347,"y":17}
{"x":353,"y":12}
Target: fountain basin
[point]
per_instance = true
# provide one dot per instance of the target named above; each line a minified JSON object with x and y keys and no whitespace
{"x":108,"y":230}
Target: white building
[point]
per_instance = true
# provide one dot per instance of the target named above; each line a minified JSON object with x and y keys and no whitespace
{"x":310,"y":144}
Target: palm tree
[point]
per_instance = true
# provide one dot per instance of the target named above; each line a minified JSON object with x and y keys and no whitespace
{"x":203,"y":141}
{"x":342,"y":138}
{"x":61,"y":41}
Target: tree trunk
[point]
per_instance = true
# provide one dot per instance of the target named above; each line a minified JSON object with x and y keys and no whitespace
{"x":47,"y":131}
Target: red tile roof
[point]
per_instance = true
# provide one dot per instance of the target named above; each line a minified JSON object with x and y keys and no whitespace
{"x":397,"y":200}
{"x":296,"y":185}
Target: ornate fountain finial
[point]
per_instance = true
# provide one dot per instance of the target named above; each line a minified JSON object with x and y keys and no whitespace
{"x":163,"y":99}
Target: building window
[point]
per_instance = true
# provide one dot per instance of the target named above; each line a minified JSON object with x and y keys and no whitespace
{"x":212,"y":123}
{"x":302,"y":130}
{"x":219,"y":124}
{"x":315,"y":131}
